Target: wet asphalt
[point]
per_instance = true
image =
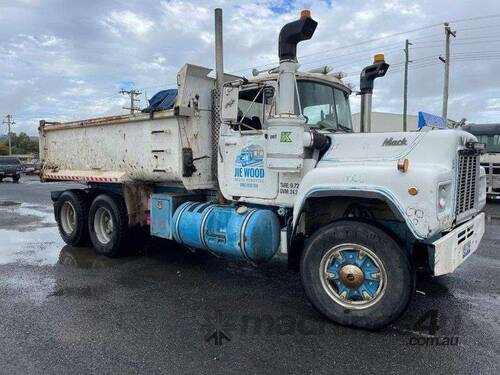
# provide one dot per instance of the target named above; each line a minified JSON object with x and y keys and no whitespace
{"x":163,"y":309}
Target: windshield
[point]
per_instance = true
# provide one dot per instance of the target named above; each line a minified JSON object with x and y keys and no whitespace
{"x":324,"y":107}
{"x":491,"y":141}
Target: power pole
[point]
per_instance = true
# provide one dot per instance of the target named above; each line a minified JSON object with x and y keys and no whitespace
{"x":133,"y":94}
{"x":446,"y":61}
{"x":9,"y":123}
{"x":405,"y":94}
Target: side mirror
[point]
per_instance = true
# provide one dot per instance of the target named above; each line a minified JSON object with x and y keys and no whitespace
{"x":268,"y":94}
{"x":229,"y":104}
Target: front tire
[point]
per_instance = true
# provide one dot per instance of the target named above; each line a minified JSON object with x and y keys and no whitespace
{"x":71,"y":211}
{"x":357,"y":275}
{"x":108,"y":224}
{"x":16,"y":178}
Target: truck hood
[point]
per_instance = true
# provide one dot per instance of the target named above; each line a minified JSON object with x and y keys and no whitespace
{"x":433,"y":146}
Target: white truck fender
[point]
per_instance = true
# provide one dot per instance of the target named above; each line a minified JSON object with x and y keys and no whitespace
{"x":364,"y":192}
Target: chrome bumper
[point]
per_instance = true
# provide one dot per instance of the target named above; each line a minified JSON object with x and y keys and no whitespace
{"x":452,"y":249}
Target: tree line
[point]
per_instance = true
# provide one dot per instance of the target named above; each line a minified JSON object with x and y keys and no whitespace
{"x":21,"y":144}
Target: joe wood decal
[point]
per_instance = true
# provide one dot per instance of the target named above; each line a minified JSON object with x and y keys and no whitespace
{"x":249,"y":167}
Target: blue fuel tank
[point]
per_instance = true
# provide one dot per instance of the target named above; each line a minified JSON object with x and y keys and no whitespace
{"x":244,"y":232}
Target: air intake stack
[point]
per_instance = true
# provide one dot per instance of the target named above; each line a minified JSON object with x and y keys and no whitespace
{"x":287,"y":131}
{"x":290,"y":35}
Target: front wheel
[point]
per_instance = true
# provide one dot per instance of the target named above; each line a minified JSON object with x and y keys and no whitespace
{"x":16,"y":178}
{"x":357,"y":275}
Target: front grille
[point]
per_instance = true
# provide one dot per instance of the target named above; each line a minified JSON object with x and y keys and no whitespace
{"x":467,"y":184}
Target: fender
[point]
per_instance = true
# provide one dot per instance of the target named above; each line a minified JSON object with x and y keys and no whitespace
{"x":364,"y":192}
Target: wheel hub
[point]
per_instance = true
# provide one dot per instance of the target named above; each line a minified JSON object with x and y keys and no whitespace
{"x":352,"y":276}
{"x":103,"y":225}
{"x":68,"y":217}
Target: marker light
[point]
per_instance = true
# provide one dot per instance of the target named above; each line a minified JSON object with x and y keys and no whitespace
{"x":412,"y":190}
{"x":305,"y":13}
{"x":379,"y":57}
{"x":475,"y":145}
{"x":403,"y":165}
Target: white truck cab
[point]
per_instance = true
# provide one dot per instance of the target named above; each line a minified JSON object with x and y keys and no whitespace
{"x":252,"y":167}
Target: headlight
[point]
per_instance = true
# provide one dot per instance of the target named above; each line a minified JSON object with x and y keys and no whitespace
{"x":444,"y":198}
{"x":442,"y":202}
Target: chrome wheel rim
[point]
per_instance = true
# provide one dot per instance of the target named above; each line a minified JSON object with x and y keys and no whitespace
{"x":103,"y":225}
{"x":68,"y":217}
{"x":353,"y":276}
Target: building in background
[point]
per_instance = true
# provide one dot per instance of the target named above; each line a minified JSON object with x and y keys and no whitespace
{"x":489,"y":134}
{"x":383,"y":122}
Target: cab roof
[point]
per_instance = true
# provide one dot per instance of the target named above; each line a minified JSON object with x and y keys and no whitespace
{"x":326,"y":78}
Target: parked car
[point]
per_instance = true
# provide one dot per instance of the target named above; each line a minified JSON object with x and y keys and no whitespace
{"x":10,"y":167}
{"x":31,"y":167}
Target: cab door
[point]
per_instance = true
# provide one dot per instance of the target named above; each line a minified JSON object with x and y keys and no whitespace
{"x":244,"y":148}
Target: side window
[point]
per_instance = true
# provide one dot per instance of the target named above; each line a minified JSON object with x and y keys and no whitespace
{"x":251,"y":109}
{"x":254,"y":107}
{"x":342,"y":108}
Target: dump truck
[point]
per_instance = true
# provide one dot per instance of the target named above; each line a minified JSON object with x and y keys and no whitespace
{"x":252,"y":167}
{"x":489,"y":134}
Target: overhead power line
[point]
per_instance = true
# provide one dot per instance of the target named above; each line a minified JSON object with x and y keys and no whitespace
{"x":475,"y":18}
{"x":270,"y":64}
{"x":355,"y":57}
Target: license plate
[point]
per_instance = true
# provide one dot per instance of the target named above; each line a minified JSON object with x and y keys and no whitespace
{"x":466,"y":249}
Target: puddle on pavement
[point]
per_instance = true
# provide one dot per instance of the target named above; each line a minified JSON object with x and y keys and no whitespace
{"x":84,"y":257}
{"x":492,"y":219}
{"x":37,"y":247}
{"x":23,"y":217}
{"x":9,"y":203}
{"x":28,"y":234}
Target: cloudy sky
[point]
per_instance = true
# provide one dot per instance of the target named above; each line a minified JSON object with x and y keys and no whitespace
{"x":63,"y":60}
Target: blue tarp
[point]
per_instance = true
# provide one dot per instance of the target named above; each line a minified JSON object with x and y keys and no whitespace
{"x":426,"y":119}
{"x":161,"y":101}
